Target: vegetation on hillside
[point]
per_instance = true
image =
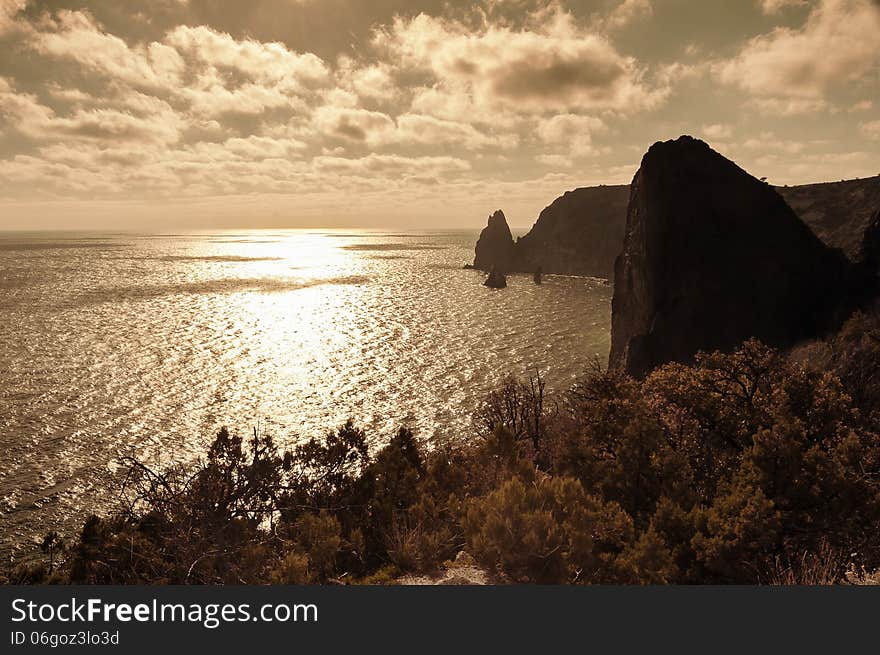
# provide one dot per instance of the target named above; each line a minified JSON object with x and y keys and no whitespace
{"x":751,"y":467}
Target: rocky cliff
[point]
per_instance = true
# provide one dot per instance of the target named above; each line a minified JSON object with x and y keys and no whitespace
{"x":495,"y":248}
{"x":580,"y":233}
{"x":711,"y":257}
{"x":838,"y":212}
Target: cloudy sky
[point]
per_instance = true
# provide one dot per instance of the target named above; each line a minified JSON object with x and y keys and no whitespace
{"x":414,"y":113}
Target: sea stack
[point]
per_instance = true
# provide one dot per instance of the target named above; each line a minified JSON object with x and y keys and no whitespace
{"x":495,"y":248}
{"x":712,"y":257}
{"x":496,"y":280}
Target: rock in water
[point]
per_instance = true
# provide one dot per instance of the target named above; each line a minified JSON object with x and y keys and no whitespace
{"x":495,"y":249}
{"x":496,"y":280}
{"x":712,"y":257}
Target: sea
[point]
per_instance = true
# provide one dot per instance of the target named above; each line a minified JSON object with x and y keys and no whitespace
{"x":144,"y":345}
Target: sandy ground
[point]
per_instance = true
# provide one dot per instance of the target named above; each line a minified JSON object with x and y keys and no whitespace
{"x":463,"y":571}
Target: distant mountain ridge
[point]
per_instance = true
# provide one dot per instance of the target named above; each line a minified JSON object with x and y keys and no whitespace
{"x":837,"y":212}
{"x":582,"y":231}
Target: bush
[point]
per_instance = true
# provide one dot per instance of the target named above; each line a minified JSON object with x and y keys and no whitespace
{"x":548,"y":530}
{"x":319,"y":537}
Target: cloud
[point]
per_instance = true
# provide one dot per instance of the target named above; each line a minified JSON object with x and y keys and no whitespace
{"x":210,"y":97}
{"x":429,"y":130}
{"x":351,"y":124}
{"x":199,"y":112}
{"x":572,"y":131}
{"x":788,"y":106}
{"x":372,"y":82}
{"x":374,"y":129}
{"x":871,"y":129}
{"x":391,"y":165}
{"x":460,"y":105}
{"x":814,"y":166}
{"x":150,"y":122}
{"x":8,"y":11}
{"x":548,"y":67}
{"x":269,"y":64}
{"x":792,"y":70}
{"x":22,"y":111}
{"x":209,"y":70}
{"x":76,"y":36}
{"x":768,"y":142}
{"x":204,"y":170}
{"x":555,"y":161}
{"x":258,"y":147}
{"x":776,"y":6}
{"x":718,"y":131}
{"x":627,"y":12}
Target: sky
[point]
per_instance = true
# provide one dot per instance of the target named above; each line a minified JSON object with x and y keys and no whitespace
{"x":153,"y":114}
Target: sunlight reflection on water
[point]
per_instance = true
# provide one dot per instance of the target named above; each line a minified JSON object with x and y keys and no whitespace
{"x":144,"y":345}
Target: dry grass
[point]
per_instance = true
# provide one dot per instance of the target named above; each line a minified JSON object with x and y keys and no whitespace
{"x":821,"y":568}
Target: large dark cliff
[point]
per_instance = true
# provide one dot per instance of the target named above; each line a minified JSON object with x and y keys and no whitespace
{"x":712,"y":257}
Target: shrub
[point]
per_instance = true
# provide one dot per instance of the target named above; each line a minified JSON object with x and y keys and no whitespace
{"x":318,"y":535}
{"x":648,"y":561}
{"x":293,"y":569}
{"x":548,"y":530}
{"x":735,"y":535}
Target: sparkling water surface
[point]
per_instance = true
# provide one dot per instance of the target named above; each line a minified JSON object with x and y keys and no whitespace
{"x":144,"y":345}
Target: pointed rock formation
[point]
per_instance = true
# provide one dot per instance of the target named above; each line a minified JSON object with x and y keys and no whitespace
{"x":712,"y":257}
{"x":495,"y":248}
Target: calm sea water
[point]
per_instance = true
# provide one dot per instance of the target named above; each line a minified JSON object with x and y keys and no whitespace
{"x":114,"y":345}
